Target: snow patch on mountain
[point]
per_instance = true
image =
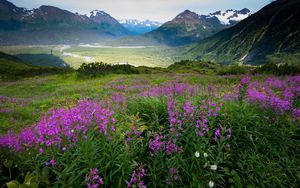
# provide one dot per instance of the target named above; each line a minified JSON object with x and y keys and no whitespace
{"x":147,"y":23}
{"x":138,"y":26}
{"x":97,"y":13}
{"x":230,"y":16}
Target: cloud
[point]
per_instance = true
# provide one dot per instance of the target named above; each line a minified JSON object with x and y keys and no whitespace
{"x":161,"y":10}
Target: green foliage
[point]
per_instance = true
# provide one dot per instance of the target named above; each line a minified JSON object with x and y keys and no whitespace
{"x":279,"y":70}
{"x":152,"y":110}
{"x":98,"y":69}
{"x":31,"y":181}
{"x":12,"y":68}
{"x":187,"y":66}
{"x":233,"y":70}
{"x":263,"y":151}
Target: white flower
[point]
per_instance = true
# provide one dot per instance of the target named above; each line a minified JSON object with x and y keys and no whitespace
{"x":211,"y":184}
{"x":213,"y":167}
{"x":197,"y":154}
{"x":72,"y":131}
{"x":205,"y":155}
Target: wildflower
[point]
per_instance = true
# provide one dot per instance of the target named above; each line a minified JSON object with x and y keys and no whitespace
{"x":213,"y":167}
{"x":41,"y":150}
{"x":52,"y":162}
{"x":205,"y":155}
{"x":197,"y":154}
{"x":136,"y":178}
{"x":174,"y":173}
{"x":172,"y":176}
{"x":64,"y":149}
{"x":217,"y":134}
{"x":93,"y":180}
{"x":211,"y":184}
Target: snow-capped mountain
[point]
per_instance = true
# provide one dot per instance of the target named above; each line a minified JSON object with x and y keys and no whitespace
{"x":138,"y":26}
{"x":102,"y":17}
{"x":52,"y":25}
{"x":188,"y":26}
{"x":231,"y":16}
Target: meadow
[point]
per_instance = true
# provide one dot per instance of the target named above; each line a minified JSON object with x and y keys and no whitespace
{"x":74,"y":55}
{"x":150,"y":130}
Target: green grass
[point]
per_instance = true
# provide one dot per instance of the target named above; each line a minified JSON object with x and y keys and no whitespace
{"x":263,"y":152}
{"x":41,"y":55}
{"x":45,"y":92}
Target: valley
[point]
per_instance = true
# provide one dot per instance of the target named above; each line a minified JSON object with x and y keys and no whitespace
{"x":75,"y":55}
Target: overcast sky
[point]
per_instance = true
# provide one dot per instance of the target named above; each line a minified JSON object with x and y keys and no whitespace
{"x":158,"y":10}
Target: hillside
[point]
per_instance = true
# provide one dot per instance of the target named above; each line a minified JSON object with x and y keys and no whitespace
{"x":273,"y":32}
{"x":9,"y":61}
{"x":12,"y":67}
{"x":52,"y":25}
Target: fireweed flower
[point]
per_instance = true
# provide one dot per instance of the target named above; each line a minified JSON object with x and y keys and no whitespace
{"x":172,"y":176}
{"x":133,"y":133}
{"x":52,"y":162}
{"x":217,"y":134}
{"x":171,"y":147}
{"x":156,"y":145}
{"x":93,"y":180}
{"x":60,"y":125}
{"x":41,"y":150}
{"x":136,"y":178}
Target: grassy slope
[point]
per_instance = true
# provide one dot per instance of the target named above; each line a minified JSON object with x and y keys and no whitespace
{"x":11,"y":65}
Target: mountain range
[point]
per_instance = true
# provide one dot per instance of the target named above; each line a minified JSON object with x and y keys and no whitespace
{"x":272,"y":32}
{"x":139,"y":27}
{"x":231,"y":36}
{"x":187,"y":27}
{"x":51,"y":25}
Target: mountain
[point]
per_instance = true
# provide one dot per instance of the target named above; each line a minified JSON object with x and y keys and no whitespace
{"x":52,"y":25}
{"x":187,"y":27}
{"x":110,"y":24}
{"x":139,"y":27}
{"x":272,"y":32}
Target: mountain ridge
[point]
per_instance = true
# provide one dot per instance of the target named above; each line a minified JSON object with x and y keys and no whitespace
{"x":52,"y":25}
{"x":270,"y":32}
{"x":187,"y":27}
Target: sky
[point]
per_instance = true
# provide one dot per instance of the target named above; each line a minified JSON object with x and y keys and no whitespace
{"x":157,"y":10}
